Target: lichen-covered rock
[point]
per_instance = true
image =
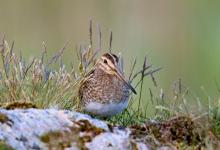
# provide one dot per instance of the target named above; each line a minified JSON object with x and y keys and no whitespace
{"x":35,"y":129}
{"x":60,"y":129}
{"x":23,"y":128}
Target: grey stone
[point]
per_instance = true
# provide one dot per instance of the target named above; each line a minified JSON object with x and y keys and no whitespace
{"x":26,"y":126}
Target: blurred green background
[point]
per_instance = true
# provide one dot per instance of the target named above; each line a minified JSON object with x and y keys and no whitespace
{"x":181,"y":36}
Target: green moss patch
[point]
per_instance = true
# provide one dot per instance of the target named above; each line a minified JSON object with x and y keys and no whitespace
{"x":4,"y":118}
{"x":4,"y":146}
{"x":80,"y":133}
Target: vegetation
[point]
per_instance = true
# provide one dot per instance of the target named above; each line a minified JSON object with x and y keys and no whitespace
{"x":45,"y":82}
{"x":4,"y":146}
{"x":4,"y":118}
{"x":77,"y":135}
{"x":40,"y":84}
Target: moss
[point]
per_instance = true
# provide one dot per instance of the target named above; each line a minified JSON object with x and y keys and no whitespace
{"x":4,"y":146}
{"x":80,"y":133}
{"x":4,"y":118}
{"x":19,"y":104}
{"x":47,"y":137}
{"x":133,"y":145}
{"x":58,"y":139}
{"x":179,"y":129}
{"x":86,"y":126}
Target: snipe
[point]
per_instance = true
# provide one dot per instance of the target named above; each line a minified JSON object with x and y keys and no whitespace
{"x":104,"y":90}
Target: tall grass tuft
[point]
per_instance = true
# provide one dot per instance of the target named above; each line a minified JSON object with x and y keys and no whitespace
{"x":45,"y":82}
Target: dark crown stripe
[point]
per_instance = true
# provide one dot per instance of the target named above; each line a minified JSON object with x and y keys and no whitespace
{"x":116,"y":57}
{"x":111,"y":57}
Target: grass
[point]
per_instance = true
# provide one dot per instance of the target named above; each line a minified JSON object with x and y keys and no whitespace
{"x":45,"y":82}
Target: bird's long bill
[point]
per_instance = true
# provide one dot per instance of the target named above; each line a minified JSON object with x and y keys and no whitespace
{"x":123,"y":79}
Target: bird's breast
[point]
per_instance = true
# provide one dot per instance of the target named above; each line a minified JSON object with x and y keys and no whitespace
{"x":105,"y":109}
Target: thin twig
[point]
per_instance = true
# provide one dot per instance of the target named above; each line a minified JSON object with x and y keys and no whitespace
{"x":11,"y":50}
{"x":132,"y":69}
{"x":180,"y":86}
{"x":20,"y":56}
{"x":81,"y":54}
{"x":6,"y":65}
{"x":58,"y":54}
{"x":142,"y":79}
{"x":91,"y":59}
{"x":153,"y":79}
{"x":90,"y":32}
{"x":151,"y":95}
{"x":162,"y":96}
{"x":3,"y":44}
{"x":77,"y":52}
{"x":146,"y":74}
{"x":28,"y":67}
{"x":139,"y":72}
{"x":153,"y":71}
{"x":61,"y":62}
{"x":110,"y":42}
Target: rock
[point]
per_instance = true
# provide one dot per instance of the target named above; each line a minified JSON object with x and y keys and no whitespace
{"x":60,"y":129}
{"x":36,"y":129}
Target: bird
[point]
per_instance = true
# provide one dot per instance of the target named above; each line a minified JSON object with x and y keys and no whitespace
{"x":104,"y":91}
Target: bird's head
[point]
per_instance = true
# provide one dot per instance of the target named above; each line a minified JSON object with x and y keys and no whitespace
{"x":109,"y":63}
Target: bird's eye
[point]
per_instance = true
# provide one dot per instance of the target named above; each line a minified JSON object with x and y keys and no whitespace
{"x":105,"y":61}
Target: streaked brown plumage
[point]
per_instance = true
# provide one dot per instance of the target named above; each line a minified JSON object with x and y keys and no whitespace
{"x":104,"y":91}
